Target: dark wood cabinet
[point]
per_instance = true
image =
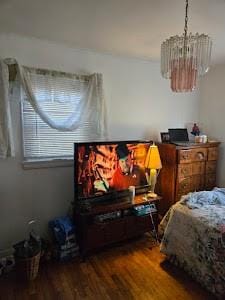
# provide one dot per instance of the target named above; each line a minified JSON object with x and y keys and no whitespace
{"x":94,"y":232}
{"x":185,"y":169}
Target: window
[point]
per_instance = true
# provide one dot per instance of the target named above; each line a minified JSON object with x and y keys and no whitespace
{"x":58,"y":97}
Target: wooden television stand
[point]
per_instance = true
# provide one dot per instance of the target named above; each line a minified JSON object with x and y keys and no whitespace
{"x":108,"y":223}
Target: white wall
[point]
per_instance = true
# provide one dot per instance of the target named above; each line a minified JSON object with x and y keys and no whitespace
{"x":212,"y":109}
{"x":140,"y":105}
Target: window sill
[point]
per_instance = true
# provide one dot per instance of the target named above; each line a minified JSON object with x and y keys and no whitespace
{"x":53,"y":163}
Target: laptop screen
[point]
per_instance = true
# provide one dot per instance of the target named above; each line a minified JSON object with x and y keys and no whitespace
{"x":178,"y":135}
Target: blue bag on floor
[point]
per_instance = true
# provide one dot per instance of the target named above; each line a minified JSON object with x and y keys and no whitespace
{"x":62,"y":227}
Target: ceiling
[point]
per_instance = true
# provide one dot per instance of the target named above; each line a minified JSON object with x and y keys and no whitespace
{"x":122,"y":27}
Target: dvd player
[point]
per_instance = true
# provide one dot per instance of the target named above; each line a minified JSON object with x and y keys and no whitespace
{"x":108,"y":216}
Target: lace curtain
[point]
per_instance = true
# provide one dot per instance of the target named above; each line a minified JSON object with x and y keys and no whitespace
{"x":6,"y":137}
{"x":39,"y":86}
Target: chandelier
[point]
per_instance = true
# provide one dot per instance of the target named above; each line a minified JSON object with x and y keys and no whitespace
{"x":184,"y":58}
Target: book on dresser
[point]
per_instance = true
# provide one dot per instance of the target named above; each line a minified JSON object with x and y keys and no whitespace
{"x":186,"y":168}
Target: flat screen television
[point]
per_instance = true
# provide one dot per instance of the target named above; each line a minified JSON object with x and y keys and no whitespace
{"x":105,"y":170}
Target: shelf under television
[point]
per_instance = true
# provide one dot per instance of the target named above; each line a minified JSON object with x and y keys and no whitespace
{"x":97,"y":208}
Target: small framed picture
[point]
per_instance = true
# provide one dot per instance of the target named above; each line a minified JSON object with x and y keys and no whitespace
{"x":165,"y":137}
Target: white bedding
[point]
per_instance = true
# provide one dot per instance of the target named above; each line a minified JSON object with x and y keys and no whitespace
{"x":194,"y":237}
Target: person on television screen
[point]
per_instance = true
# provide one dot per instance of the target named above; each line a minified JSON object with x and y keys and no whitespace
{"x":127,"y":174}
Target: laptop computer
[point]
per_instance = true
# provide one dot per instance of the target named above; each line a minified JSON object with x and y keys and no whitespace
{"x":179,"y":136}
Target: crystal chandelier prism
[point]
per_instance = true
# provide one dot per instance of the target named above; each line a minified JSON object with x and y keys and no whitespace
{"x":184,"y":58}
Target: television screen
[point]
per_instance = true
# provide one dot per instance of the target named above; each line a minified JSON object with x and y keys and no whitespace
{"x":105,"y":167}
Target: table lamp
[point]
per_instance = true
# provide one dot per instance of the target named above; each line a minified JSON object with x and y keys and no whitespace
{"x":153,"y":163}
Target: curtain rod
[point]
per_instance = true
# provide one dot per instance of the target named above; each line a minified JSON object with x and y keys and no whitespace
{"x":13,"y":70}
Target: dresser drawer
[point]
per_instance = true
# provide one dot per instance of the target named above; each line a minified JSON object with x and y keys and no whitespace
{"x":199,"y":154}
{"x":212,"y":153}
{"x":197,"y":183}
{"x":192,"y":155}
{"x":185,"y":170}
{"x":210,"y":181}
{"x":210,"y":167}
{"x":198,"y":168}
{"x":183,"y":187}
{"x":184,"y":156}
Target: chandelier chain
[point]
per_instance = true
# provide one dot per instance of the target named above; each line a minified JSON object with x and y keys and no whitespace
{"x":186,"y":19}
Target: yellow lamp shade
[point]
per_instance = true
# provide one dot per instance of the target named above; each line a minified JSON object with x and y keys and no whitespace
{"x":153,"y":160}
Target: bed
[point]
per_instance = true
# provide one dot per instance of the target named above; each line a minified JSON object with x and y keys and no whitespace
{"x":193,"y":237}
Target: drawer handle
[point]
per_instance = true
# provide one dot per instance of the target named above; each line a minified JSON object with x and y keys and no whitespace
{"x":184,"y":156}
{"x":200,"y":155}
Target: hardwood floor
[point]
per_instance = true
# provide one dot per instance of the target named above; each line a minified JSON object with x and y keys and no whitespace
{"x":132,"y":270}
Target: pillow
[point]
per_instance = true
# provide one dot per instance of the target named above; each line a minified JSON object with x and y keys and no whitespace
{"x":200,"y":199}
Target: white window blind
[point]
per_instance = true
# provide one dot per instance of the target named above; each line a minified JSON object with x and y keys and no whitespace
{"x":58,"y":96}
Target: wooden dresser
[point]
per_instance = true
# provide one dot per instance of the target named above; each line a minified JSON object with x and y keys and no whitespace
{"x":186,"y":169}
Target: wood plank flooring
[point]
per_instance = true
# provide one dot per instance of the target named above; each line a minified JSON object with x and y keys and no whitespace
{"x":132,"y":270}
